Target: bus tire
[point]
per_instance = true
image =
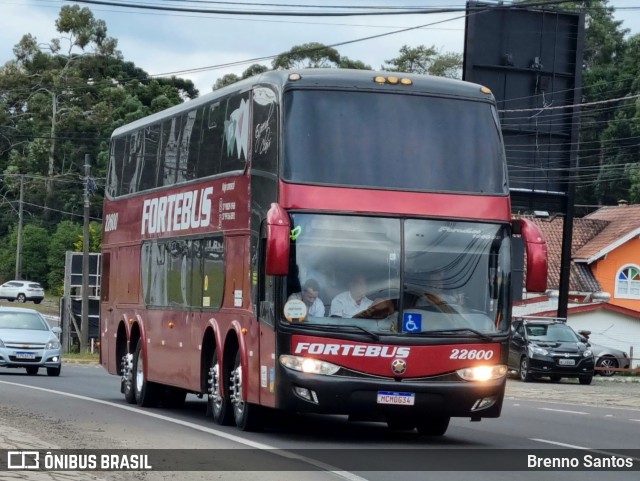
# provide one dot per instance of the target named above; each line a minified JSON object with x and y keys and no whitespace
{"x":436,"y":426}
{"x":218,"y":404}
{"x":246,"y":415}
{"x":126,"y":383}
{"x":146,"y":392}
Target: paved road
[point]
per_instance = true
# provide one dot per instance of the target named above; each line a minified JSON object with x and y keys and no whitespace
{"x":616,"y":391}
{"x":38,"y":418}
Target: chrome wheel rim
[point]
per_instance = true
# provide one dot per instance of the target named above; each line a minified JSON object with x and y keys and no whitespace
{"x":214,"y":387}
{"x":236,"y":391}
{"x":523,"y":369}
{"x":139,"y":373}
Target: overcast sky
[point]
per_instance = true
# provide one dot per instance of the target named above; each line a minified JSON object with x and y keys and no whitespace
{"x":164,"y":42}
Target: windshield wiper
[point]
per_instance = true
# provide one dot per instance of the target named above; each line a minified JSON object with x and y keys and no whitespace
{"x":447,"y":332}
{"x":337,"y":327}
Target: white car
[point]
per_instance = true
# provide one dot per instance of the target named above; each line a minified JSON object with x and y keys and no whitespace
{"x":22,"y":291}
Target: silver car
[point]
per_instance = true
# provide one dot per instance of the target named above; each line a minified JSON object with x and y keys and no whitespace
{"x":22,"y":291}
{"x":27,"y":341}
{"x":607,"y":357}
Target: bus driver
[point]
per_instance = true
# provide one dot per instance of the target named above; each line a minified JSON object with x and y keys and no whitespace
{"x":351,"y":302}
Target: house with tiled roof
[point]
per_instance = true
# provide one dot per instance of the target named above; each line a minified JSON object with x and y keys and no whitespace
{"x":604,"y":286}
{"x":613,"y":255}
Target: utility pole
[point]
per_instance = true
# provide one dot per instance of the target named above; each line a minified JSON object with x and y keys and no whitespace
{"x":19,"y":246}
{"x":84,"y":334}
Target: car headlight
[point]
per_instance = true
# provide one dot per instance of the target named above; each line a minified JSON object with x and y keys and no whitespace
{"x":308,"y":365}
{"x":53,"y":344}
{"x":538,"y":350}
{"x":587,"y":353}
{"x":1,"y":343}
{"x":483,"y":373}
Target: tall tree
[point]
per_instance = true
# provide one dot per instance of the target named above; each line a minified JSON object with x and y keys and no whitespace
{"x":63,"y":239}
{"x":63,"y":99}
{"x":314,"y":55}
{"x":35,"y":246}
{"x":54,"y":80}
{"x":232,"y":78}
{"x":602,"y":178}
{"x":426,"y":61}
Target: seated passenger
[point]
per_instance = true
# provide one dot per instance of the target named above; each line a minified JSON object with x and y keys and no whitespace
{"x":310,"y":296}
{"x":351,"y":302}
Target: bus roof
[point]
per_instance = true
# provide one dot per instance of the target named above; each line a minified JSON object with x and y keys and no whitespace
{"x":325,"y":78}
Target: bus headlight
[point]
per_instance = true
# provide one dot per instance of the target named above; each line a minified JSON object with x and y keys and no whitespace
{"x":308,"y":365}
{"x":483,"y":373}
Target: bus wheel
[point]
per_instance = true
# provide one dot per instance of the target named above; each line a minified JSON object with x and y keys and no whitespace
{"x":218,"y":406}
{"x":433,"y":426}
{"x":246,"y":415}
{"x":126,"y":383}
{"x":146,"y":392}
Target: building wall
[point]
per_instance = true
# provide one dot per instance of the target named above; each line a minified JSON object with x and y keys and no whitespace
{"x":610,"y":329}
{"x":605,"y":271}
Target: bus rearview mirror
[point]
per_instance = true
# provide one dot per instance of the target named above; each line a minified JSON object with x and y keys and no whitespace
{"x":278,"y":241}
{"x":536,"y":249}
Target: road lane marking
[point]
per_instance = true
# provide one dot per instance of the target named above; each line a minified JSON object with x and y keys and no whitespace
{"x":573,"y":446}
{"x":230,"y":437}
{"x":636,"y":420}
{"x":562,"y":411}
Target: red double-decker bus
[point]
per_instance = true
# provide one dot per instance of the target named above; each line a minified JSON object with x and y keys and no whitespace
{"x":326,"y":241}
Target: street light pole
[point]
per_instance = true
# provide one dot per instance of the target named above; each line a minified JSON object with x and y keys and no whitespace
{"x":84,"y":340}
{"x":19,"y":240}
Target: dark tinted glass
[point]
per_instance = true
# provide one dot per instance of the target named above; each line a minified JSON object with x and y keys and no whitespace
{"x":392,"y":141}
{"x":210,"y":140}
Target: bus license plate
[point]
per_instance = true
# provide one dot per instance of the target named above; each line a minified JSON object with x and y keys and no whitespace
{"x":567,"y":362}
{"x":25,"y":355}
{"x":397,"y":398}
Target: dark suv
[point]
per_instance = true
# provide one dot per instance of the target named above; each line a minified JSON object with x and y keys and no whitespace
{"x":549,"y":348}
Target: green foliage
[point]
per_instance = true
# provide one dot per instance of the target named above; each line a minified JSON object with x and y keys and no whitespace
{"x":254,"y":69}
{"x":610,"y":72}
{"x":8,"y":255}
{"x":225,"y":80}
{"x":35,"y":246}
{"x":35,"y":249}
{"x":62,"y":240}
{"x":61,"y":100}
{"x":232,"y":78}
{"x":95,"y":238}
{"x":307,"y":55}
{"x":426,"y":61}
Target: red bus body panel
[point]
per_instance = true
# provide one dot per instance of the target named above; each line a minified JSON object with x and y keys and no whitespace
{"x":419,"y":204}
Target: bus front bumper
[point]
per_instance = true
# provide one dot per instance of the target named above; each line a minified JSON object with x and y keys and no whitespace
{"x":366,"y":398}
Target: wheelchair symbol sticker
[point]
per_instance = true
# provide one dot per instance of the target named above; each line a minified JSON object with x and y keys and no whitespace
{"x":412,"y":322}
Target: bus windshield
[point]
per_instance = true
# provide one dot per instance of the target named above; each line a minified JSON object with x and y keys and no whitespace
{"x":393,"y":141}
{"x":397,"y":276}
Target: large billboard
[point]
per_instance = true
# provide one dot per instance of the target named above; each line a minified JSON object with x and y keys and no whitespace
{"x":531,"y":59}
